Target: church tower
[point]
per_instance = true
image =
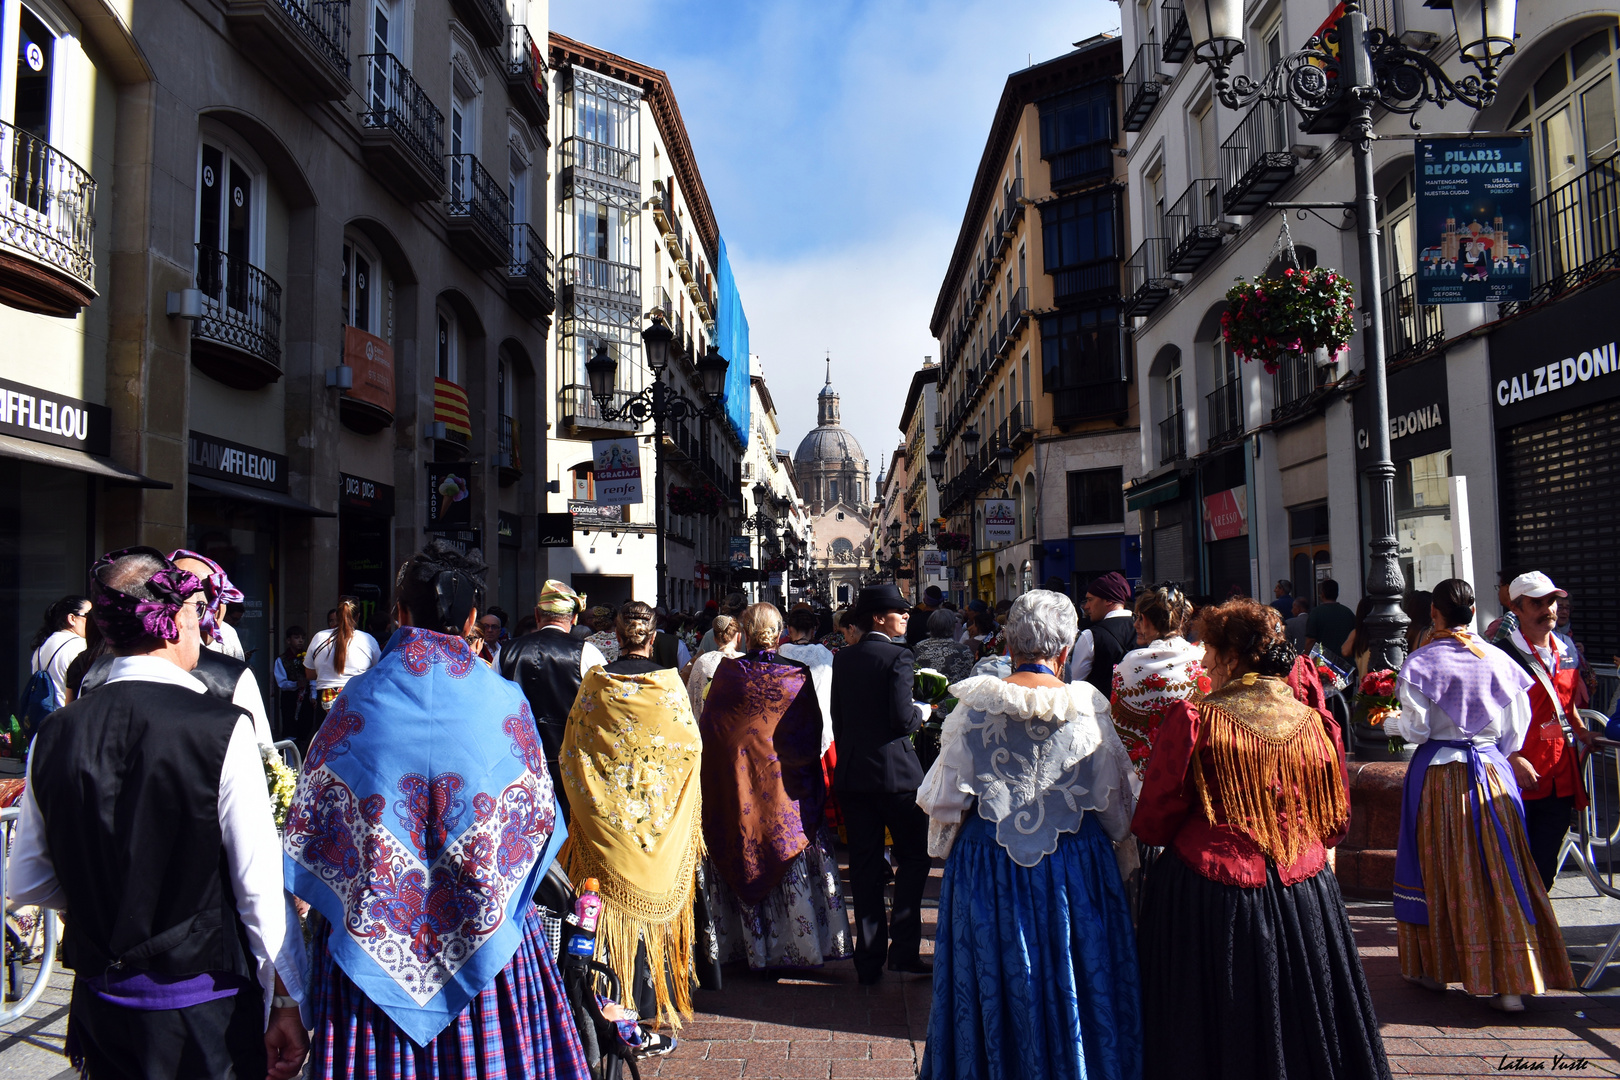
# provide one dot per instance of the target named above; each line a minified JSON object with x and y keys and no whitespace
{"x":831,"y":472}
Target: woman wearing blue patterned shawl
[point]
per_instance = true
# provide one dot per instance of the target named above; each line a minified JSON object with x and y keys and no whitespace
{"x":1035,"y":959}
{"x":423,"y":822}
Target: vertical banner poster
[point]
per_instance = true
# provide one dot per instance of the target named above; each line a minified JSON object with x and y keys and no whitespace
{"x":1226,"y":514}
{"x":617,"y":471}
{"x":1473,"y":220}
{"x":1000,"y":521}
{"x":740,"y":556}
{"x":449,"y":496}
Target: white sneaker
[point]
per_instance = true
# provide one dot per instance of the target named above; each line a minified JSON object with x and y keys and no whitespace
{"x":1512,"y":1003}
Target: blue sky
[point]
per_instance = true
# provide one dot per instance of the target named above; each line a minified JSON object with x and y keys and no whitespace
{"x":838,"y":142}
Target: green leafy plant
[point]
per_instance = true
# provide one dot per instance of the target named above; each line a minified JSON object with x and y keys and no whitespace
{"x":1272,"y":319}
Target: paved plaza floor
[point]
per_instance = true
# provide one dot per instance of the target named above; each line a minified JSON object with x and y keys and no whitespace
{"x":824,"y":1025}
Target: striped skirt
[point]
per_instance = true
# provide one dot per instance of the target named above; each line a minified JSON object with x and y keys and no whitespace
{"x":1477,"y":933}
{"x":519,"y":1028}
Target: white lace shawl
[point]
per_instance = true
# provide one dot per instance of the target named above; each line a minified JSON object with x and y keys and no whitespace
{"x":1036,"y":758}
{"x":818,"y":658}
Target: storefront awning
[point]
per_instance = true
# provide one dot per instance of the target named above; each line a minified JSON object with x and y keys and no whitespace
{"x":263,"y":497}
{"x":63,"y":457}
{"x":1161,"y":490}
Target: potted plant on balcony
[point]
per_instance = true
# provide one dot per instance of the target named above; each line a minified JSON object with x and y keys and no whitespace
{"x":1273,"y":319}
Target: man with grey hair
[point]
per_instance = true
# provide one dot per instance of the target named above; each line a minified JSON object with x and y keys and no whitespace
{"x":939,"y":649}
{"x":146,"y":813}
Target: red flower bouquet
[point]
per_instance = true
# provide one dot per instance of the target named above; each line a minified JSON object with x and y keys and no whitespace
{"x":1376,"y":702}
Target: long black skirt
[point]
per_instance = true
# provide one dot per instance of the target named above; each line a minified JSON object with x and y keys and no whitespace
{"x":1251,"y":984}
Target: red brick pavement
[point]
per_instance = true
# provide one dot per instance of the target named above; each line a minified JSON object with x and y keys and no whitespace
{"x":825,"y":1025}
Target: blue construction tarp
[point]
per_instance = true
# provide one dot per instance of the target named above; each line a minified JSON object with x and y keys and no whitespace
{"x":731,"y":335}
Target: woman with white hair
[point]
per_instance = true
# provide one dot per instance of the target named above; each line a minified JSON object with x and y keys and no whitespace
{"x":1035,"y":956}
{"x":939,"y":649}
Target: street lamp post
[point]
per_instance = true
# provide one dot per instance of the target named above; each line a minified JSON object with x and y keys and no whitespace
{"x":763,"y":526}
{"x":1351,"y":69}
{"x":660,"y":403}
{"x":916,"y":555}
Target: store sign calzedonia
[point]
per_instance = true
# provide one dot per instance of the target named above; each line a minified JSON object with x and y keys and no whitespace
{"x":1556,"y":360}
{"x":41,"y":416}
{"x":226,"y":460}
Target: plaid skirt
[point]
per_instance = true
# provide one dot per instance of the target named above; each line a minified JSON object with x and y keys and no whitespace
{"x":519,"y":1028}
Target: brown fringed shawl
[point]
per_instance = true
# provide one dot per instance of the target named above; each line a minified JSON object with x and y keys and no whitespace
{"x":1276,"y":773}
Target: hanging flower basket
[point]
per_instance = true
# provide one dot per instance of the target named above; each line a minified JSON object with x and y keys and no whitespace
{"x":776,"y":565}
{"x":1273,"y":319}
{"x":953,"y":541}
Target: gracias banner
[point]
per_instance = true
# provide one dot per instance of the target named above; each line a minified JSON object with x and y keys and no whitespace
{"x":1473,"y":220}
{"x":1000,"y":521}
{"x":617,"y":468}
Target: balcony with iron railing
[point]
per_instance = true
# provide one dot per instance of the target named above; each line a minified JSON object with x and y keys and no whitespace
{"x":303,"y":44}
{"x":1144,"y":85}
{"x":1298,"y":385}
{"x":1410,"y":328}
{"x":1574,"y":235}
{"x":1225,"y":413}
{"x":1193,"y":222}
{"x":526,"y":76}
{"x":1256,"y":161}
{"x":479,"y":212}
{"x":402,"y":131}
{"x":611,"y":163}
{"x":601,"y":278}
{"x":1081,"y":165}
{"x":1147,"y":280}
{"x":47,"y":221}
{"x":1098,"y":280}
{"x":1012,"y":206}
{"x":238,"y":338}
{"x":485,"y":19}
{"x":1173,"y":437}
{"x":1177,"y":36}
{"x":508,"y":452}
{"x":579,"y":411}
{"x":1018,"y":428}
{"x":529,"y":273}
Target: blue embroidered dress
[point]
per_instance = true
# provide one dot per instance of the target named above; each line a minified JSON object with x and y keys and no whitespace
{"x":1035,"y":957}
{"x":422,"y":823}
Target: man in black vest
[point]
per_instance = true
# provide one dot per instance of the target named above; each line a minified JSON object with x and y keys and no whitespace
{"x":549,"y":665}
{"x":1110,"y":636}
{"x":873,"y":717}
{"x":147,"y":815}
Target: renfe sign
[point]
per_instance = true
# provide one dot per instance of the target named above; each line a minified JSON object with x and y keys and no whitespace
{"x":1558,"y":359}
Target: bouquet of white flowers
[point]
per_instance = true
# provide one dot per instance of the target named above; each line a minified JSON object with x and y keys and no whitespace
{"x":281,"y":781}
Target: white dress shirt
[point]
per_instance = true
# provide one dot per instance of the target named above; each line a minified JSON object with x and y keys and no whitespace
{"x":249,"y":700}
{"x":1085,"y":648}
{"x":247,"y":831}
{"x":229,"y":642}
{"x":1420,"y":720}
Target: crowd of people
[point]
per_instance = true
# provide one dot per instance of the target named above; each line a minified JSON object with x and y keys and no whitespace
{"x":1135,"y":815}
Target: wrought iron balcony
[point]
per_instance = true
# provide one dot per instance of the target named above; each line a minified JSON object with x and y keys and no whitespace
{"x":1193,"y":224}
{"x":1225,"y":413}
{"x":47,"y":217}
{"x":1011,"y":207}
{"x":402,"y":132}
{"x":1255,"y":159}
{"x":1019,"y":427}
{"x":1144,"y":84}
{"x":602,"y":278}
{"x":238,"y":338}
{"x":486,"y":19}
{"x":1177,"y":36}
{"x":1410,"y":328}
{"x":529,"y":285}
{"x":526,"y":76}
{"x":609,"y":162}
{"x":1574,"y":234}
{"x":1173,"y":437}
{"x":508,"y":451}
{"x":578,"y":409}
{"x":1147,"y":279}
{"x":1081,"y":165}
{"x":480,"y":213}
{"x":1089,"y":281}
{"x":1299,"y":384}
{"x":302,"y":44}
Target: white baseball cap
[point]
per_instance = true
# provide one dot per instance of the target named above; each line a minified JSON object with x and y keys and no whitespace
{"x":1534,"y":584}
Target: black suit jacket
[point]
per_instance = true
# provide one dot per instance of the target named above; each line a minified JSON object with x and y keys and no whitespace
{"x":873,"y":717}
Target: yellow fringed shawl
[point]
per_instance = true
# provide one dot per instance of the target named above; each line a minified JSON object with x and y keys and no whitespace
{"x":630,"y":764}
{"x":1275,"y":768}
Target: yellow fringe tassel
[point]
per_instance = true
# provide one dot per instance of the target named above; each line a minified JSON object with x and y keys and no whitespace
{"x":669,"y":944}
{"x":1269,"y":779}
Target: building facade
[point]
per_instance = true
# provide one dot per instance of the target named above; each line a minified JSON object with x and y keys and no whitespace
{"x":1246,"y":478}
{"x":919,"y":424}
{"x":317,"y":306}
{"x":1036,"y":398}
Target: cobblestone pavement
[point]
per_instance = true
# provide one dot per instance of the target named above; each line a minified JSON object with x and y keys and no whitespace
{"x":825,"y":1025}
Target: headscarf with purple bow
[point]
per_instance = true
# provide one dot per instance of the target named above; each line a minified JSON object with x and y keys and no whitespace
{"x":125,"y":619}
{"x":216,"y":587}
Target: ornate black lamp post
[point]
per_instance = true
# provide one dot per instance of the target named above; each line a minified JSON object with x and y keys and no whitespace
{"x":657,"y":402}
{"x":763,"y":526}
{"x":1353,"y":68}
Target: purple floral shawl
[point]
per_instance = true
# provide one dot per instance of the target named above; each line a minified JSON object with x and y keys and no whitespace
{"x":763,"y":791}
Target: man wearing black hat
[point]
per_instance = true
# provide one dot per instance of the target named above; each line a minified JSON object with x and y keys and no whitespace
{"x":1110,"y":636}
{"x":877,"y":777}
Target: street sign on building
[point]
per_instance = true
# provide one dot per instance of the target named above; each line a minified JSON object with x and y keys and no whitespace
{"x":617,"y":470}
{"x":1000,"y":521}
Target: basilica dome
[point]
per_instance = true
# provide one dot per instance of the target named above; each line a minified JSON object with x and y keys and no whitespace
{"x":829,"y":465}
{"x":827,"y":446}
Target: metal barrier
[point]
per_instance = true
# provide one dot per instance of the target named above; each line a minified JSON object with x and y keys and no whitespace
{"x":290,"y":754}
{"x":1595,"y":843}
{"x":47,"y":960}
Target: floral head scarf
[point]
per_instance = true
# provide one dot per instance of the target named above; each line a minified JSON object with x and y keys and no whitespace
{"x":125,"y":619}
{"x":217,"y":588}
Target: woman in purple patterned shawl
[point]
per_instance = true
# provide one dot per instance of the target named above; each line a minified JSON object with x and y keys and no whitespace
{"x":774,"y":886}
